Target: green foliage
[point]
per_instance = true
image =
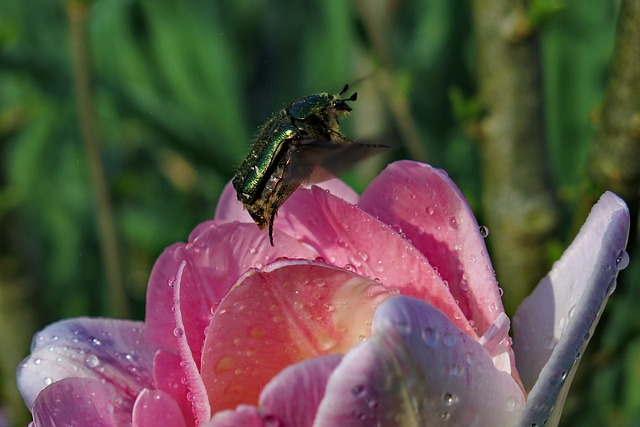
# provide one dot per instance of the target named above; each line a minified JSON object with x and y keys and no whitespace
{"x":180,"y":88}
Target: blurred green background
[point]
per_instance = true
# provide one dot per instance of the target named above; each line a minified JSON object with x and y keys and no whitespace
{"x":179,"y":89}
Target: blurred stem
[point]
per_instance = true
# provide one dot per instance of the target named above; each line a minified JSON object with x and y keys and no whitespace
{"x":78,"y":12}
{"x":614,"y":158}
{"x":517,"y":198}
{"x":372,"y":17}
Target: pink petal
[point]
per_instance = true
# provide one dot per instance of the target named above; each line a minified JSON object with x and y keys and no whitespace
{"x":303,"y":383}
{"x":158,"y":325}
{"x":169,"y":376}
{"x":344,"y":235}
{"x":107,"y":350}
{"x":435,"y":216}
{"x":77,"y":402}
{"x":553,"y":325}
{"x":418,"y":368}
{"x":288,"y":312}
{"x":155,"y":408}
{"x":212,"y":263}
{"x":230,"y":209}
{"x":243,"y":416}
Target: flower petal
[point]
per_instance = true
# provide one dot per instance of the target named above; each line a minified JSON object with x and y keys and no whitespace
{"x":553,"y":325}
{"x":230,"y":209}
{"x":158,"y":326}
{"x":347,"y":236}
{"x":303,"y":383}
{"x":169,"y":376}
{"x":285,"y":313}
{"x":418,"y":368}
{"x":108,"y":350}
{"x":435,"y":216}
{"x":244,"y":415}
{"x":77,"y":401}
{"x":213,"y":262}
{"x":155,"y":408}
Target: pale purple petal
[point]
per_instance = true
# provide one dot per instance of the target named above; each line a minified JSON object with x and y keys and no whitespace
{"x":155,"y":408}
{"x":303,"y":383}
{"x":418,"y":368}
{"x":553,"y":325}
{"x":107,"y":350}
{"x":77,"y":402}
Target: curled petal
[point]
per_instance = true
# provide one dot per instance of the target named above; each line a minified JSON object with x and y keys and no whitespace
{"x":430,"y":210}
{"x":348,"y":237}
{"x":158,"y":326}
{"x":244,"y":415}
{"x":285,"y":313}
{"x":213,"y":262}
{"x":553,"y":325}
{"x":107,"y":350}
{"x":309,"y":379}
{"x":418,"y":368}
{"x":170,"y":377}
{"x":75,"y":402}
{"x":155,"y":408}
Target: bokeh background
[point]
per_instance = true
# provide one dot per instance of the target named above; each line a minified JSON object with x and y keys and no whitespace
{"x":122,"y":120}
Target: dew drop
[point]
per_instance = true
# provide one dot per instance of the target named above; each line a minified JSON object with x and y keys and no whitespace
{"x":430,"y":337}
{"x":430,"y":210}
{"x":484,"y":231}
{"x":511,"y":403}
{"x":92,"y":361}
{"x":550,"y":343}
{"x":449,"y":399}
{"x":449,"y":340}
{"x":171,"y":281}
{"x":358,"y":390}
{"x":446,"y":415}
{"x":404,"y":328}
{"x":622,"y":261}
{"x":178,"y":332}
{"x":350,"y":268}
{"x":453,"y":222}
{"x":47,"y":381}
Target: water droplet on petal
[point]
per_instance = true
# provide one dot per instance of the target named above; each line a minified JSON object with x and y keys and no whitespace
{"x":178,"y":332}
{"x":92,"y":361}
{"x":484,"y":231}
{"x":453,"y":222}
{"x":622,"y":261}
{"x":450,"y":399}
{"x":449,"y":340}
{"x":358,"y":390}
{"x":404,"y":328}
{"x":430,"y":337}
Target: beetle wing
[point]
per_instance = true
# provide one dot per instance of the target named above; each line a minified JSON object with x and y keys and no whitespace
{"x":316,"y":160}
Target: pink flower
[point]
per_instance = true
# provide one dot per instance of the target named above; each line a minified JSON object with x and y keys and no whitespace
{"x":381,"y":309}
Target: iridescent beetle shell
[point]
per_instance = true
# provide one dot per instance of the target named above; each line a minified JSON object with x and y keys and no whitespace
{"x":296,"y":146}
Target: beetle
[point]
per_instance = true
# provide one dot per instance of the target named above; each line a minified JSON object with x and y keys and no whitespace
{"x":297,"y":145}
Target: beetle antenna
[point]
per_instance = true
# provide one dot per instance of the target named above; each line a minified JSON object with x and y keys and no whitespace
{"x":344,"y":88}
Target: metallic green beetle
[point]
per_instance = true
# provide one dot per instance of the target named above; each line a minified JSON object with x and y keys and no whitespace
{"x":298,"y":145}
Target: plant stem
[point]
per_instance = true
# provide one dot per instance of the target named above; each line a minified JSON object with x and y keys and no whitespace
{"x":517,"y":198}
{"x":78,"y":12}
{"x":614,"y":158}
